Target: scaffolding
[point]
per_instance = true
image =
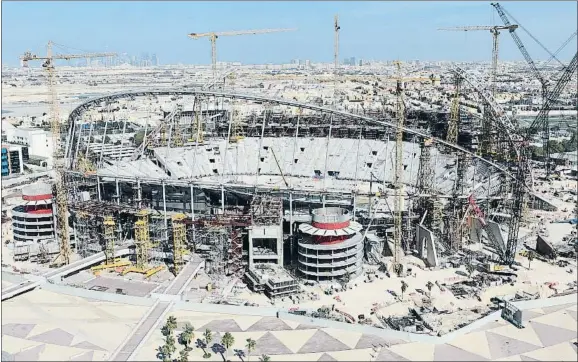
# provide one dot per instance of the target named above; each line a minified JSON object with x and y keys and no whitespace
{"x":179,"y":241}
{"x":142,"y":239}
{"x":109,"y":239}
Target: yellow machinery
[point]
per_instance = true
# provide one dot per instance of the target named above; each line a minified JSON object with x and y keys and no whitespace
{"x":61,"y":194}
{"x":214,"y":35}
{"x":142,"y":244}
{"x":109,"y":237}
{"x":179,"y":240}
{"x":115,"y":264}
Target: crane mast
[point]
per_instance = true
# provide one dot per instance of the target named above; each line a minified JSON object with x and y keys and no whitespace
{"x":539,"y":77}
{"x":523,"y":171}
{"x":214,"y":35}
{"x":398,"y":182}
{"x":58,"y":162}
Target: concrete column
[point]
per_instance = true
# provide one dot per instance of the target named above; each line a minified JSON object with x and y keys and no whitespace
{"x":98,"y":188}
{"x":139,"y":194}
{"x":223,"y":199}
{"x":291,"y":241}
{"x":165,"y":209}
{"x":117,"y":192}
{"x":354,"y":206}
{"x":193,"y":211}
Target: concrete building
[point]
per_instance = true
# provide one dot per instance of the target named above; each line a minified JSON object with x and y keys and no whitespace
{"x":331,"y":247}
{"x":34,"y":220}
{"x":13,"y":159}
{"x":266,"y":231}
{"x":38,"y":141}
{"x":273,"y":280}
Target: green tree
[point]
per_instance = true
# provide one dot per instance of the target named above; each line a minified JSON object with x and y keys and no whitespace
{"x":264,"y":358}
{"x":185,"y":339}
{"x":208,"y":336}
{"x":228,"y":340}
{"x":251,"y":344}
{"x":166,"y":351}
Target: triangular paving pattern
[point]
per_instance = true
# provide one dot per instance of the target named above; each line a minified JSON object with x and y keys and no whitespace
{"x":270,"y":345}
{"x":530,"y":314}
{"x":88,"y":345}
{"x":246,"y":321}
{"x":447,"y":352}
{"x":87,"y":356}
{"x":30,"y":354}
{"x":7,"y":356}
{"x":307,"y":326}
{"x":294,"y":340}
{"x":56,"y":336}
{"x":476,"y":343}
{"x":527,"y":334}
{"x":572,"y":313}
{"x":326,"y":357}
{"x":17,"y":330}
{"x":269,"y":324}
{"x":222,"y":325}
{"x":322,"y":342}
{"x":529,"y":359}
{"x":558,"y":352}
{"x":550,"y":335}
{"x":502,"y":346}
{"x":349,"y":338}
{"x":387,"y":355}
{"x":489,"y":325}
{"x":556,"y":308}
{"x":370,"y":340}
{"x":557,"y":319}
{"x":415,"y":351}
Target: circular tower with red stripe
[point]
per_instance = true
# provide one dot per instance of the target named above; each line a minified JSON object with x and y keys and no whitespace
{"x":34,"y":220}
{"x":331,"y":247}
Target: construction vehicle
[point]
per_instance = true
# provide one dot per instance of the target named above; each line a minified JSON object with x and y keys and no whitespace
{"x":58,"y":162}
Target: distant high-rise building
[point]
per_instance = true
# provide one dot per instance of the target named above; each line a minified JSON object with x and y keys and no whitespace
{"x":361,"y":62}
{"x":352,"y":61}
{"x":300,"y":61}
{"x":295,"y":61}
{"x":307,"y":63}
{"x":154,"y":60}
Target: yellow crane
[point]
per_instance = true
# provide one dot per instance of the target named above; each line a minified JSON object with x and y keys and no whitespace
{"x":214,"y":35}
{"x":61,"y":196}
{"x":398,"y":179}
{"x":487,"y":143}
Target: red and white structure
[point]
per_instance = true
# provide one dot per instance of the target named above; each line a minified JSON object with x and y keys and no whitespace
{"x":331,"y":247}
{"x":34,"y":221}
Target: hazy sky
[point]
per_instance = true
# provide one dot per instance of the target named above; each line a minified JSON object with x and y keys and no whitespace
{"x":369,"y":30}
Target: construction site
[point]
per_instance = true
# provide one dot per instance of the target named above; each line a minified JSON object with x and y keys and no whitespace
{"x":325,"y":209}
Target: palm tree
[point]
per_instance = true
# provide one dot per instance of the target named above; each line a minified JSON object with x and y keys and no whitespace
{"x":228,"y":340}
{"x":251,"y":344}
{"x":166,"y":351}
{"x":530,"y":257}
{"x":403,"y":288}
{"x":185,"y":339}
{"x":208,"y":336}
{"x":264,"y":358}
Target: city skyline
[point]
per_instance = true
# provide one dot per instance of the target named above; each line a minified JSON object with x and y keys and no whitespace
{"x":161,"y":28}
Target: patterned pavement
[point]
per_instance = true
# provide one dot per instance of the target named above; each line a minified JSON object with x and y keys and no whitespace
{"x":43,"y":325}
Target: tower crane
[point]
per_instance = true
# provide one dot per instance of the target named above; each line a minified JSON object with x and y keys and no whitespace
{"x":523,"y":171}
{"x":58,"y":162}
{"x":487,"y":143}
{"x":543,"y":82}
{"x":214,"y":35}
{"x":398,"y":179}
